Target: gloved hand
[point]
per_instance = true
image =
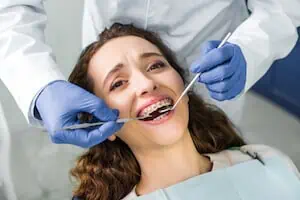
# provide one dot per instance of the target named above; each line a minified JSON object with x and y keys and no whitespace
{"x":223,"y":70}
{"x":59,"y":104}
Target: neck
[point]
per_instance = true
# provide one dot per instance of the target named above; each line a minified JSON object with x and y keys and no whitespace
{"x":168,"y":165}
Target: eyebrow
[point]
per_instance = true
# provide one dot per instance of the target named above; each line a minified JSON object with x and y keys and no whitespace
{"x":121,"y":65}
{"x":149,"y":54}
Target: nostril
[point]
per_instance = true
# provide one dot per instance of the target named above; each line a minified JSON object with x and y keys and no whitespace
{"x":145,"y":92}
{"x":148,"y":90}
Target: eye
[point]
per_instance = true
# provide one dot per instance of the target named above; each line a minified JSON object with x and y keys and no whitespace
{"x":117,"y":84}
{"x":156,"y":65}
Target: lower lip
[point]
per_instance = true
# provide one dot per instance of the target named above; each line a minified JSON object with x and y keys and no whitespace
{"x":157,"y":122}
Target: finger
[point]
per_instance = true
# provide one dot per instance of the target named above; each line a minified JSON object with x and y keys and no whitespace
{"x":218,"y":73}
{"x":85,"y":138}
{"x":100,"y":134}
{"x":213,"y":58}
{"x":230,"y":94}
{"x":208,"y":46}
{"x":224,"y":85}
{"x":204,"y":49}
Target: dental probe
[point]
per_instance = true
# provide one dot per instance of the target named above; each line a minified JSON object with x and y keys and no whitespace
{"x":194,"y":79}
{"x":86,"y":125}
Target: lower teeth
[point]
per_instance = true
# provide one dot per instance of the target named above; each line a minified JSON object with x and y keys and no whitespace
{"x":160,"y":117}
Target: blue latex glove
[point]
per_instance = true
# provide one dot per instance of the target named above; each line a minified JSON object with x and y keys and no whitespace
{"x":223,"y":70}
{"x":58,"y":106}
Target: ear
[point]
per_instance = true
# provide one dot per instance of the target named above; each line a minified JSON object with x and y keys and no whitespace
{"x":187,"y":98}
{"x":112,"y":137}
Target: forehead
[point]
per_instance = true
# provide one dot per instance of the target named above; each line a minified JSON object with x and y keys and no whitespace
{"x":119,"y":49}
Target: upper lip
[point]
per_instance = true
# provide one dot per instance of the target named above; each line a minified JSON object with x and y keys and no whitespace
{"x":150,"y":102}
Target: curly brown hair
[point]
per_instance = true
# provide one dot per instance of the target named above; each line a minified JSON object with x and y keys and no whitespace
{"x":109,"y":170}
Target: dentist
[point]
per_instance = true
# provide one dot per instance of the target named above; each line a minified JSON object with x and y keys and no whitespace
{"x":263,"y":31}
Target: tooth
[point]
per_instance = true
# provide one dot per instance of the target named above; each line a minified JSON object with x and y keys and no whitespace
{"x":154,"y":107}
{"x":147,"y":110}
{"x":160,"y":117}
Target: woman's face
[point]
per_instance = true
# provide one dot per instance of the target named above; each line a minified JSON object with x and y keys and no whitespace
{"x":131,"y":75}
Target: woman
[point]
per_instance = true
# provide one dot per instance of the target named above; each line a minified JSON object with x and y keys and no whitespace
{"x":134,"y":72}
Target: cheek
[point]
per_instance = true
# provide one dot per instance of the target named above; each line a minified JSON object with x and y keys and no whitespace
{"x":174,"y":81}
{"x":131,"y":134}
{"x":121,"y":102}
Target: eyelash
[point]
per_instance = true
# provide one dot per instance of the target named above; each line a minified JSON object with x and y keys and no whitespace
{"x":160,"y":64}
{"x":113,"y":87}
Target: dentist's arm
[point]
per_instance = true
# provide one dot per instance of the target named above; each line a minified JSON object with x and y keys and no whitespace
{"x":270,"y":33}
{"x":267,"y":35}
{"x":26,"y":62}
{"x":28,"y":70}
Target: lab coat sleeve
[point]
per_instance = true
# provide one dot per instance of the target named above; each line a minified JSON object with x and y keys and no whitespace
{"x":89,"y":31}
{"x":267,"y":35}
{"x":26,"y":62}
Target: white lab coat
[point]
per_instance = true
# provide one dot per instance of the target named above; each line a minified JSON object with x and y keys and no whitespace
{"x":268,"y":34}
{"x":6,"y":183}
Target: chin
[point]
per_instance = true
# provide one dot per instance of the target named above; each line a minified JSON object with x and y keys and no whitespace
{"x":168,"y":134}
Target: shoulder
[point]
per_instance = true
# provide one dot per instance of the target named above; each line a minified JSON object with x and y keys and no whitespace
{"x":241,"y":154}
{"x":264,"y":152}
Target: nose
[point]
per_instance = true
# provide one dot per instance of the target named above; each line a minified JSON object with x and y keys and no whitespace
{"x":144,"y":85}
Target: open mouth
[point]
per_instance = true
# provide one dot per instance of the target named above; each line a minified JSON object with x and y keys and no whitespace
{"x":153,"y":111}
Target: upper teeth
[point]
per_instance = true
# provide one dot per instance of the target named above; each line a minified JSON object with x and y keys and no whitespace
{"x":153,"y":107}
